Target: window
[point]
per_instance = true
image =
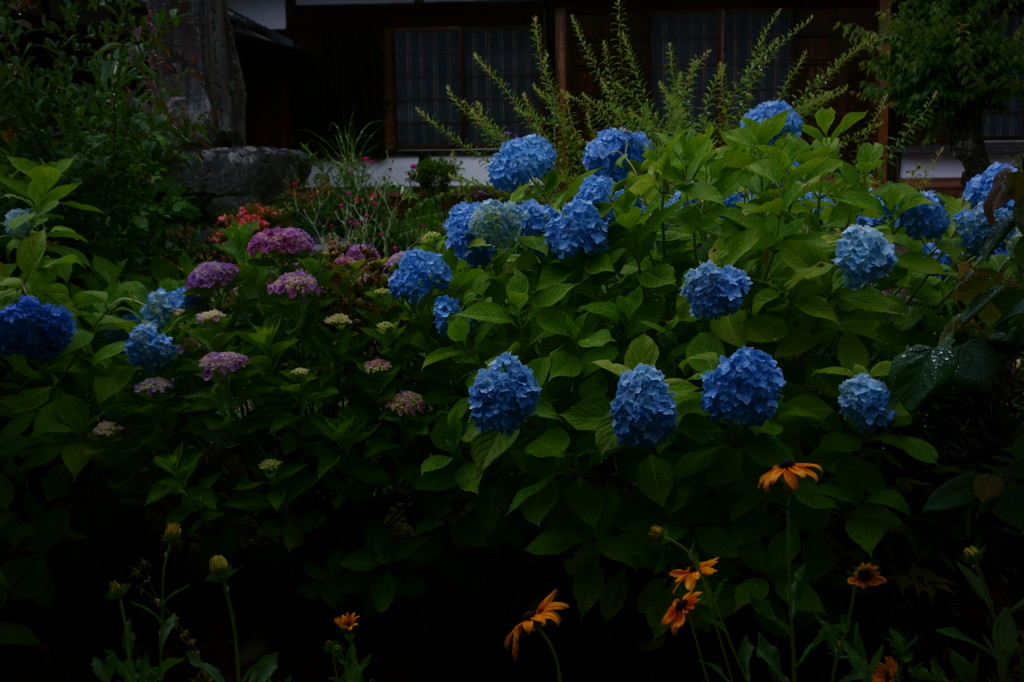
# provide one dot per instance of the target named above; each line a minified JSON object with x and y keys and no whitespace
{"x":729,"y":35}
{"x":428,"y":60}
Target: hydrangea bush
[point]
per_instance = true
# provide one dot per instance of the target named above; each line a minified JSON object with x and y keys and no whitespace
{"x":584,"y":384}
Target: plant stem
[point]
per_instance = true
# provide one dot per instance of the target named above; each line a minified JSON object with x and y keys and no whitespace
{"x":554,"y":654}
{"x":125,"y":642}
{"x":234,"y":632}
{"x":790,"y":592}
{"x":700,"y":654}
{"x":705,"y":584}
{"x":163,"y":609}
{"x":841,"y":642}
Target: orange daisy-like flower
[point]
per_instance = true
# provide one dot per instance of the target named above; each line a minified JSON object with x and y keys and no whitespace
{"x":886,"y":670}
{"x":689,"y":576}
{"x":675,"y":616}
{"x":790,"y":472}
{"x":546,"y":612}
{"x":866,"y":575}
{"x":347,"y":621}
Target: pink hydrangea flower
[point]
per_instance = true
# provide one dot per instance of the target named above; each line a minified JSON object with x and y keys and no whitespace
{"x":224,"y":362}
{"x":294,"y":284}
{"x":406,"y":403}
{"x":376,"y":365}
{"x":280,"y":240}
{"x":211,"y":275}
{"x":153,"y":385}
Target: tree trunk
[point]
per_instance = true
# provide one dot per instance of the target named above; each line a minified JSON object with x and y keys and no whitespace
{"x":968,"y":142}
{"x":204,"y":43}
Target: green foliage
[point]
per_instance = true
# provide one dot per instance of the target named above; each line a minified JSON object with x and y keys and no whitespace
{"x":84,"y":85}
{"x":433,"y":174}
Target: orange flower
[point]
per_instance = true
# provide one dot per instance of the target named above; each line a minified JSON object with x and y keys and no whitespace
{"x":866,"y":575}
{"x":676,"y":614}
{"x":544,"y":613}
{"x":689,"y":576}
{"x":347,"y":621}
{"x":885,"y":671}
{"x":790,"y":472}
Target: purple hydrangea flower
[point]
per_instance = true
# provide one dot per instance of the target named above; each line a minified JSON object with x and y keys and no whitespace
{"x":714,"y":291}
{"x":39,"y":331}
{"x":864,"y":402}
{"x":224,"y":362}
{"x":298,"y":282}
{"x":579,"y":227}
{"x":280,"y":240}
{"x":744,"y":388}
{"x":418,"y":273}
{"x":770,"y":109}
{"x":376,"y":366}
{"x":357,"y":252}
{"x":605,"y":151}
{"x":211,"y":275}
{"x":407,"y":403}
{"x":643,"y":411}
{"x":503,"y":395}
{"x":864,"y":255}
{"x":153,"y":385}
{"x":147,"y":348}
{"x":519,"y":160}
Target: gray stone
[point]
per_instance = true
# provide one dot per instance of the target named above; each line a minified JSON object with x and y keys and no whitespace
{"x":224,"y":178}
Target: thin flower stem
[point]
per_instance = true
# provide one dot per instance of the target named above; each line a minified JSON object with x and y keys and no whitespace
{"x":720,"y":628}
{"x":125,"y":641}
{"x":163,"y":608}
{"x":790,"y":593}
{"x":234,"y":632}
{"x":841,"y":642}
{"x":554,"y":654}
{"x":700,"y":654}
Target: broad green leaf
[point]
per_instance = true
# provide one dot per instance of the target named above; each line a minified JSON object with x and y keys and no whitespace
{"x":554,"y":442}
{"x":551,"y":295}
{"x":917,"y":448}
{"x":918,"y":371}
{"x":528,"y":492}
{"x":552,"y":541}
{"x":868,"y":524}
{"x":434,"y":462}
{"x":383,"y":589}
{"x":487,"y":311}
{"x":956,"y":492}
{"x":29,"y":255}
{"x":654,"y":478}
{"x":641,"y":350}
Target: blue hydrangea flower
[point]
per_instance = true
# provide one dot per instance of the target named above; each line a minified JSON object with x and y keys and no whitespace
{"x":744,"y":388}
{"x":520,"y":159}
{"x":595,"y":188}
{"x":932,"y":249}
{"x":714,"y":291}
{"x":39,"y":331}
{"x":22,"y":229}
{"x":161,"y":304}
{"x":816,"y":201}
{"x":459,"y":236}
{"x":770,"y":109}
{"x":444,"y":306}
{"x":611,"y":144}
{"x":864,"y":255}
{"x":973,"y":229}
{"x":643,"y":411}
{"x":418,"y":273}
{"x":925,"y":221}
{"x":149,"y":349}
{"x":735,"y":199}
{"x":579,"y":227}
{"x":978,"y":187}
{"x":497,"y":222}
{"x":503,"y":395}
{"x":535,"y":216}
{"x":864,"y":402}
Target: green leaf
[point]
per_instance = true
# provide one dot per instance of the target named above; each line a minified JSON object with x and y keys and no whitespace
{"x":383,"y":589}
{"x":443,"y":353}
{"x":207,"y":668}
{"x":434,"y":462}
{"x":956,"y":492}
{"x":588,"y":585}
{"x":817,"y":306}
{"x":458,"y":328}
{"x":528,"y":492}
{"x":587,"y":415}
{"x":654,"y":478}
{"x":546,"y":298}
{"x":486,"y":311}
{"x":262,"y":670}
{"x":643,"y":350}
{"x":601,"y":337}
{"x":29,"y":255}
{"x":552,"y":541}
{"x":660,"y":275}
{"x":868,"y":524}
{"x":552,"y":443}
{"x":585,"y":500}
{"x":732,"y":329}
{"x":15,"y":634}
{"x":917,"y":448}
{"x":360,"y":560}
{"x":891,"y":499}
{"x":920,"y":370}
